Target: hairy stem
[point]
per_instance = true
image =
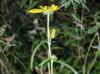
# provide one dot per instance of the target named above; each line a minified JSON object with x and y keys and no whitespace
{"x":49,"y":45}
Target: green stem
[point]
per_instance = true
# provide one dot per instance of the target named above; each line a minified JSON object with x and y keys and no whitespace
{"x":49,"y":68}
{"x":82,"y":17}
{"x":48,"y":35}
{"x":30,"y":4}
{"x":67,"y":66}
{"x":34,"y":52}
{"x":84,"y":66}
{"x":74,"y":7}
{"x":93,"y":62}
{"x":50,"y":65}
{"x":49,"y":53}
{"x":41,"y":70}
{"x":4,"y":66}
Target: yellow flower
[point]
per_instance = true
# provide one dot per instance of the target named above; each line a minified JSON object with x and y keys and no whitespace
{"x":45,"y":9}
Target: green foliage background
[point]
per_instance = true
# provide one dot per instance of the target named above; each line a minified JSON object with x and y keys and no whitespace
{"x":77,"y":22}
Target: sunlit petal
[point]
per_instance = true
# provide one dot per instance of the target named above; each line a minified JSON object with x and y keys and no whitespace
{"x":35,"y":11}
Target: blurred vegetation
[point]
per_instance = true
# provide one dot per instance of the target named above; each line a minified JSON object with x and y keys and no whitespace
{"x":77,"y":40}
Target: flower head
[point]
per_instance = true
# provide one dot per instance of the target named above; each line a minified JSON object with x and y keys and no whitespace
{"x":52,"y":33}
{"x":45,"y":9}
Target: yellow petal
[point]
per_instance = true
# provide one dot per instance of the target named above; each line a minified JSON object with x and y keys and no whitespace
{"x":44,"y":7}
{"x":35,"y":11}
{"x":54,"y":7}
